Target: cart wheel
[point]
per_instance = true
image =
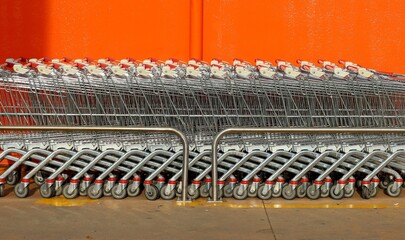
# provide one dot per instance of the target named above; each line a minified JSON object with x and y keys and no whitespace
{"x":348,"y":192}
{"x":70,"y":195}
{"x":179,"y":191}
{"x":313,"y":193}
{"x":133,"y":192}
{"x":40,"y":177}
{"x":21,"y":191}
{"x":276,"y":193}
{"x":47,"y":192}
{"x":365,"y":192}
{"x":13,"y":178}
{"x":94,"y":193}
{"x":324,"y":191}
{"x":373,"y":192}
{"x":242,"y":196}
{"x":385,"y":181}
{"x":106,"y":192}
{"x":289,"y":193}
{"x":252,"y":194}
{"x":219,"y":195}
{"x":1,"y":190}
{"x":118,"y":195}
{"x":228,"y":191}
{"x":58,"y":191}
{"x":152,"y":194}
{"x":391,"y":192}
{"x":204,"y":191}
{"x":193,"y":194}
{"x":82,"y":190}
{"x":262,"y":196}
{"x":336,"y":196}
{"x":169,"y":196}
{"x":301,"y":191}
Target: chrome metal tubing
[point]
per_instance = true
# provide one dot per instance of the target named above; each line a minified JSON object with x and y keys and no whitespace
{"x":221,"y":134}
{"x":118,"y":129}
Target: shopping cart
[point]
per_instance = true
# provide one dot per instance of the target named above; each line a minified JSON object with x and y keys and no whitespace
{"x":200,"y":99}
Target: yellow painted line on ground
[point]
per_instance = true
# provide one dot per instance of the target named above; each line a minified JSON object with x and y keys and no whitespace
{"x":259,"y":204}
{"x":334,"y":205}
{"x":203,"y":203}
{"x":63,"y":202}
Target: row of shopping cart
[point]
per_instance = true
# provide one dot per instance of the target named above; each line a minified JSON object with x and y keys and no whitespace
{"x":200,"y":99}
{"x":242,"y":174}
{"x":197,"y":97}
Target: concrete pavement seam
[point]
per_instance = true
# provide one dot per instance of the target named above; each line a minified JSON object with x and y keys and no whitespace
{"x":268,"y":220}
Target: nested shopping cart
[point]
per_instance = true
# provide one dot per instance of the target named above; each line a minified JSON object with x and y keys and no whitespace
{"x":200,"y":99}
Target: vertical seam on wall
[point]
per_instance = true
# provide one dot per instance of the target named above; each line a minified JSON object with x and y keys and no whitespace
{"x":190,"y":30}
{"x":196,"y":29}
{"x":202,"y":30}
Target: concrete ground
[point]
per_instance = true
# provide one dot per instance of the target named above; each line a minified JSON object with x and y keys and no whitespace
{"x":137,"y":218}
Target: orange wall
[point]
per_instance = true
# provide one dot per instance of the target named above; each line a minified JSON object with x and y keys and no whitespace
{"x":95,"y":28}
{"x":370,"y":33}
